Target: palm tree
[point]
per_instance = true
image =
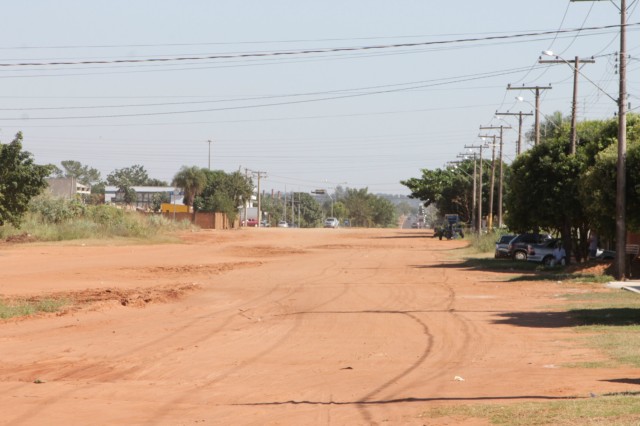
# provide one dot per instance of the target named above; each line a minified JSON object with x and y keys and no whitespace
{"x":192,"y":180}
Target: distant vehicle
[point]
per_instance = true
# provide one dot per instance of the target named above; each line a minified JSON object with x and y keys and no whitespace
{"x":517,"y":247}
{"x":502,"y":246}
{"x":265,"y":224}
{"x":331,"y":222}
{"x":283,"y":224}
{"x":252,"y":223}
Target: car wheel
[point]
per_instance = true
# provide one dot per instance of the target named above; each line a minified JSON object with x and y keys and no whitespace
{"x":548,"y":261}
{"x":520,"y":255}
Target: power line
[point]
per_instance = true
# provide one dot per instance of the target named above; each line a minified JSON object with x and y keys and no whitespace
{"x":312,"y":51}
{"x":376,"y":92}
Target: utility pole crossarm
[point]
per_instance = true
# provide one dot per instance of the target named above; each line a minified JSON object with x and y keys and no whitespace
{"x":536,"y":90}
{"x":520,"y":115}
{"x":574,"y":105}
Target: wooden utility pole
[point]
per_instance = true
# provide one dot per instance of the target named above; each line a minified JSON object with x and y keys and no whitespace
{"x":537,"y":90}
{"x":501,"y":181}
{"x":493,"y":179}
{"x":520,"y":115}
{"x":621,"y":178}
{"x":479,"y":217}
{"x":574,"y":105}
{"x":473,"y":191}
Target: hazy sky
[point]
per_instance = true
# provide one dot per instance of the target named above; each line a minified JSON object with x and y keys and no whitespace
{"x":367,"y":117}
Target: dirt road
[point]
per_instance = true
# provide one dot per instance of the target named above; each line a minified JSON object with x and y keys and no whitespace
{"x":282,"y":327}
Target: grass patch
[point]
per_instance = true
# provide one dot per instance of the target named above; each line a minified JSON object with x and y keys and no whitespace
{"x":620,"y":410}
{"x":610,"y":323}
{"x":547,"y":274}
{"x":22,"y":308}
{"x":531,"y":271}
{"x":484,"y":243}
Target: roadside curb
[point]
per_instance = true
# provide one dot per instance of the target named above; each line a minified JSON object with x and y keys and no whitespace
{"x":633,"y":286}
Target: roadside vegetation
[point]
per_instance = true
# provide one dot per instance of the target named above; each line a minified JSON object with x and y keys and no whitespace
{"x":56,"y":219}
{"x":21,"y":308}
{"x":610,"y":409}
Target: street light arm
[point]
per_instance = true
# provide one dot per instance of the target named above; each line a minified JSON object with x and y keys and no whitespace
{"x":560,"y":59}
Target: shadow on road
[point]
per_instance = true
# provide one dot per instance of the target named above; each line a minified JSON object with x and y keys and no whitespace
{"x":572,"y":318}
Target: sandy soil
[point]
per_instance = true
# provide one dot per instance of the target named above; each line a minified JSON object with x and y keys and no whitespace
{"x":280,"y":327}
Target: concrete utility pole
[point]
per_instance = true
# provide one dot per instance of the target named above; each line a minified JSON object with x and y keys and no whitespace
{"x":621,"y":179}
{"x":209,"y":163}
{"x":259,"y":175}
{"x":501,"y":181}
{"x":574,"y":105}
{"x":537,"y":107}
{"x":520,"y":115}
{"x":479,"y":217}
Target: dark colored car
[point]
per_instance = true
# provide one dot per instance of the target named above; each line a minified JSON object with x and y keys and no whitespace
{"x":502,"y":246}
{"x":517,"y":247}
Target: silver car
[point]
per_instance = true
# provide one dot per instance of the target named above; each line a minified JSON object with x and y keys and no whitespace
{"x":543,"y":253}
{"x":331,"y":222}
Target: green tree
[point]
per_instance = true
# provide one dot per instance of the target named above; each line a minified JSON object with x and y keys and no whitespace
{"x":223,"y":192}
{"x":20,"y":180}
{"x":310,"y":210}
{"x":450,"y":190}
{"x":384,"y":212}
{"x":192,"y":180}
{"x":360,"y":210}
{"x":135,"y":175}
{"x":84,"y":174}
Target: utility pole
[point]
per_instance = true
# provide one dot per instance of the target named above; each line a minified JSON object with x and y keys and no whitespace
{"x":621,"y":179}
{"x":537,"y":107}
{"x":520,"y":115}
{"x":259,"y":175}
{"x":493,"y":179}
{"x":209,"y":164}
{"x":501,"y":181}
{"x":246,"y":176}
{"x":479,"y":217}
{"x":473,"y":191}
{"x":574,"y":105}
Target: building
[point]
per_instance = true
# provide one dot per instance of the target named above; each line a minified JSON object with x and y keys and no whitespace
{"x":67,"y":187}
{"x":144,"y":195}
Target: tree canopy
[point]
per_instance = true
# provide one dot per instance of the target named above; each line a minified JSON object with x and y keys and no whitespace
{"x":20,"y":180}
{"x":192,"y":181}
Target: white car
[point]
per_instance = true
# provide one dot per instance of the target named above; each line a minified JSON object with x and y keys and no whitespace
{"x":331,"y":222}
{"x":283,"y":224}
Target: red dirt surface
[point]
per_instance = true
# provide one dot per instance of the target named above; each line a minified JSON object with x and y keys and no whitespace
{"x":280,"y":327}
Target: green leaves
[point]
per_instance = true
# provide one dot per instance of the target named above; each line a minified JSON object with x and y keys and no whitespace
{"x":20,"y":180}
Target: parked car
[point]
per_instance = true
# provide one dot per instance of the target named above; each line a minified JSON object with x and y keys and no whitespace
{"x":251,"y":222}
{"x":283,"y":224}
{"x":517,"y":247}
{"x":502,"y":246}
{"x":543,"y":252}
{"x":265,"y":223}
{"x":331,"y":222}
